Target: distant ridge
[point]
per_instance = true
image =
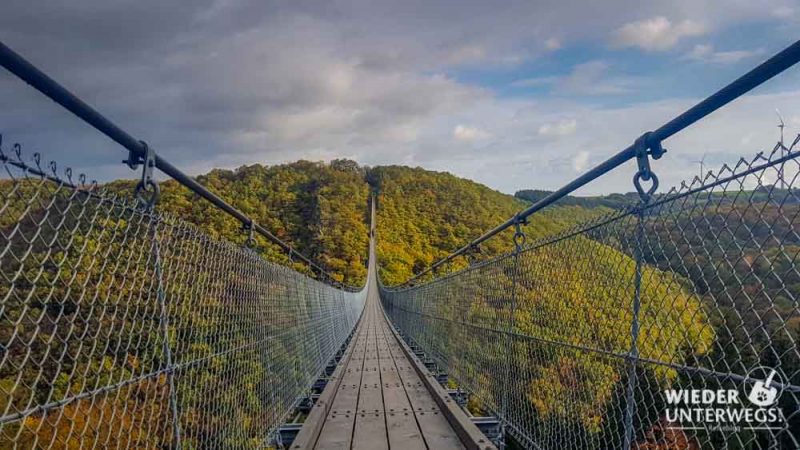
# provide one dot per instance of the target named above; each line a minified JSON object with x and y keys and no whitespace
{"x":614,"y":201}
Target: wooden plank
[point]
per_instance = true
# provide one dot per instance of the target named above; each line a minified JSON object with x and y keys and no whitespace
{"x":312,"y":427}
{"x":382,"y":397}
{"x":337,"y":434}
{"x":370,"y":427}
{"x":337,"y":431}
{"x":401,"y":424}
{"x":435,"y":429}
{"x":370,"y":432}
{"x":468,"y":433}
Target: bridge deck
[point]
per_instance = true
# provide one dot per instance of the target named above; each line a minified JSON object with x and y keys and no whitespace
{"x":381,"y":402}
{"x":381,"y":397}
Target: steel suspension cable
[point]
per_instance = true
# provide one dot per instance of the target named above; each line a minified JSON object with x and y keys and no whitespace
{"x":27,"y":72}
{"x":649,"y":143}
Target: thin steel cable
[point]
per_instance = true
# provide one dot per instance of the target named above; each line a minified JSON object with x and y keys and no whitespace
{"x":122,"y":327}
{"x":691,"y":290}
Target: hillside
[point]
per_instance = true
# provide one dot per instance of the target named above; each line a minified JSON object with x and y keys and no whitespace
{"x":613,"y":201}
{"x":321,"y":210}
{"x":424,"y":215}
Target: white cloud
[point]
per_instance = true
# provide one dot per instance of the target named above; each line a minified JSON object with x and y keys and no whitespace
{"x":591,"y":78}
{"x":552,"y":44}
{"x":308,"y":123}
{"x":784,"y":12}
{"x":469,"y":134}
{"x":561,"y":128}
{"x":706,"y":53}
{"x":467,"y":54}
{"x":700,"y":52}
{"x":656,"y":34}
{"x":534,"y":82}
{"x":250,"y":81}
{"x":588,"y":78}
{"x":581,"y":161}
{"x":519,"y":157}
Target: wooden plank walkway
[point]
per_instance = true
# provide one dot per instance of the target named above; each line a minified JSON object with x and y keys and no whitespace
{"x":381,"y":397}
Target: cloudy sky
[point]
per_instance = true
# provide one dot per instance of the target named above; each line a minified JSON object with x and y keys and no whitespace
{"x":514,"y":94}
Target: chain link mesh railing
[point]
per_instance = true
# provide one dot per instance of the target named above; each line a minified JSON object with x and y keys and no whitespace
{"x":581,"y":340}
{"x":121,"y":327}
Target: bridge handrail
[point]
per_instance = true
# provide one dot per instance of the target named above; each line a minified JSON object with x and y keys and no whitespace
{"x":23,"y":69}
{"x":578,"y":336}
{"x":648,"y":145}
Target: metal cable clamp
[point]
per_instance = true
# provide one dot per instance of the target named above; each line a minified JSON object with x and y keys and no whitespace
{"x":519,"y":235}
{"x":147,"y":183}
{"x":646,"y":148}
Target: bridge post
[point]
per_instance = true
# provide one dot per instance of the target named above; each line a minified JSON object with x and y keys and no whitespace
{"x":147,"y":193}
{"x":645,"y":148}
{"x":519,"y":244}
{"x":164,"y":327}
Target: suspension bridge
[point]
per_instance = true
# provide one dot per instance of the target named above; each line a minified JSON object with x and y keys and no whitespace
{"x":123,"y":326}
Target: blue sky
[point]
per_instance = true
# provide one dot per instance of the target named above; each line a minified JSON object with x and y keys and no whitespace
{"x":513,"y":94}
{"x":631,"y":74}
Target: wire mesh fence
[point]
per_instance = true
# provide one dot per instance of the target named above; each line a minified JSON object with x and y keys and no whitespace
{"x":648,"y":328}
{"x":121,"y":327}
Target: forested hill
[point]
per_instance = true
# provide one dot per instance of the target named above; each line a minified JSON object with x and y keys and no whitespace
{"x":614,"y":201}
{"x":425,"y":215}
{"x":321,"y":210}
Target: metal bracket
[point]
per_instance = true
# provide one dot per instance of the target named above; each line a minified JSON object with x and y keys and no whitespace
{"x":147,"y":182}
{"x":250,"y":229}
{"x":519,"y":235}
{"x":471,"y":254}
{"x":646,"y":148}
